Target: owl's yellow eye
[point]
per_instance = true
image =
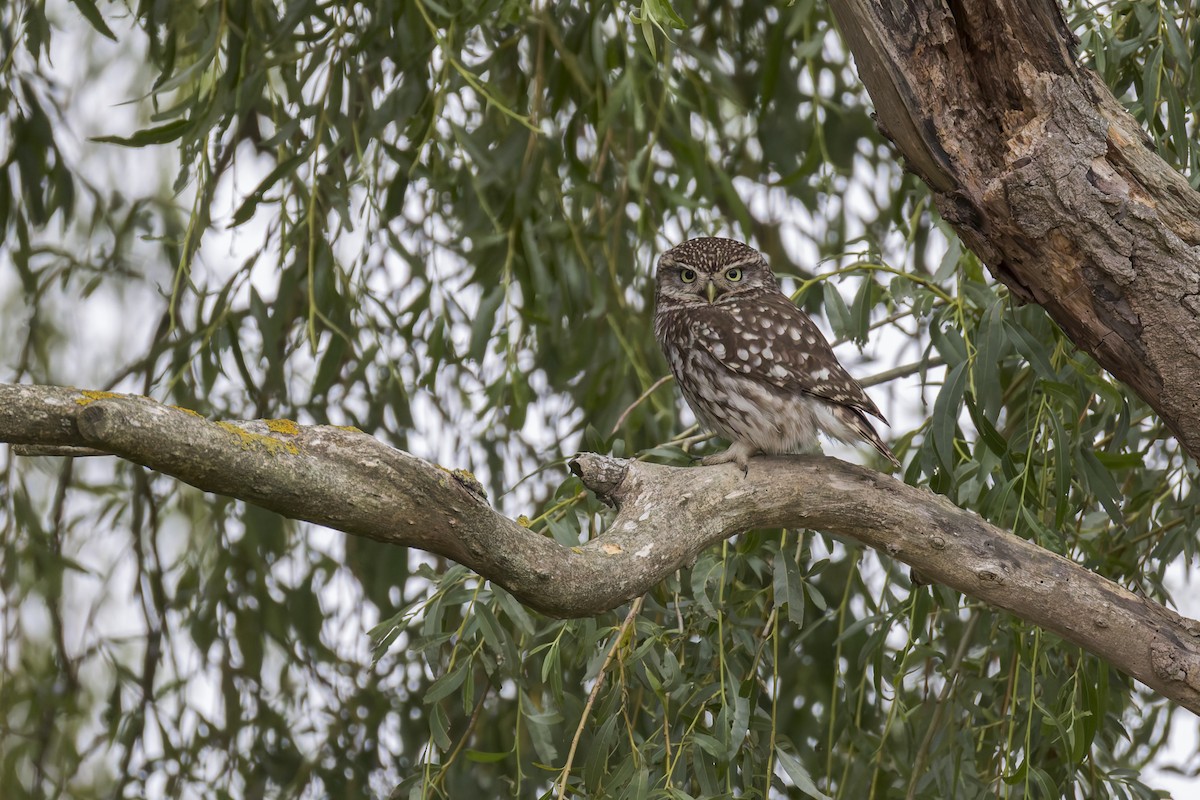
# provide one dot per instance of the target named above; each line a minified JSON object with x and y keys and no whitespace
{"x":687,"y":275}
{"x":733,"y":274}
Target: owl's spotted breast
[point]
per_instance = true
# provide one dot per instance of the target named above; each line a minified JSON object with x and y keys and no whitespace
{"x":734,"y":405}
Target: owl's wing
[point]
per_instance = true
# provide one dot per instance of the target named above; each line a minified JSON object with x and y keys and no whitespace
{"x":767,"y":338}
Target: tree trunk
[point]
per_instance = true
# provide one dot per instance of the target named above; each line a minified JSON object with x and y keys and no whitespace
{"x":1046,"y":177}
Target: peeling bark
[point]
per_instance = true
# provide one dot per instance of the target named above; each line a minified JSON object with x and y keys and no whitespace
{"x":1046,"y":178}
{"x":666,"y":516}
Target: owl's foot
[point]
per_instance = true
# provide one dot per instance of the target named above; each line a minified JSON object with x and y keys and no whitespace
{"x":739,"y":453}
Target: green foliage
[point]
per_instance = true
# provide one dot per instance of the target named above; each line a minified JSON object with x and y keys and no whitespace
{"x":1149,"y":55}
{"x":437,"y":223}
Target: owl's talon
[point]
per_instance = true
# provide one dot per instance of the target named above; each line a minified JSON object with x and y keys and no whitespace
{"x":738,"y":453}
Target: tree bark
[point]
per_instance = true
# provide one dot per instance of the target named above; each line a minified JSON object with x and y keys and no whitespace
{"x":1046,"y":178}
{"x":347,"y":480}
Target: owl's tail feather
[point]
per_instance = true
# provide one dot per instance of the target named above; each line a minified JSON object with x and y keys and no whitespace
{"x":857,"y":421}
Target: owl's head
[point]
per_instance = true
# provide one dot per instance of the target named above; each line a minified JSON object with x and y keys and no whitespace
{"x":708,"y":270}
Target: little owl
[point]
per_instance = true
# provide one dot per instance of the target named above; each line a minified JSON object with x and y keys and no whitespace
{"x":752,"y":366}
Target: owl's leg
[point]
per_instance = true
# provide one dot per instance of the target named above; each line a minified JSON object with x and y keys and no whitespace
{"x":739,"y":453}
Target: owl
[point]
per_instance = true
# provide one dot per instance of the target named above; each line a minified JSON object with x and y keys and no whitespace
{"x":752,"y":366}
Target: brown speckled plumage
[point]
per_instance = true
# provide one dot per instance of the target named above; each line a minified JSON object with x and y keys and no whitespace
{"x":752,"y":366}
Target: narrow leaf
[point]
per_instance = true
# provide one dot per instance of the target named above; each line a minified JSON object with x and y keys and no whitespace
{"x":159,"y":135}
{"x":799,"y":775}
{"x":945,"y":415}
{"x":92,"y":14}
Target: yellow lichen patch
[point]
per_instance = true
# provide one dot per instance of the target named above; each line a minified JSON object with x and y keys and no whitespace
{"x":524,"y":521}
{"x":469,"y":481}
{"x":349,"y":428}
{"x":188,"y":411}
{"x":464,"y":475}
{"x":90,"y":396}
{"x":283,"y":426}
{"x":252,"y":440}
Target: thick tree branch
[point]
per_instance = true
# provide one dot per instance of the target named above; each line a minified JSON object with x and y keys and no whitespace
{"x":347,"y":480}
{"x":1047,"y":178}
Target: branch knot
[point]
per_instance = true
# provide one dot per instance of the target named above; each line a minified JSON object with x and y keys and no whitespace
{"x":604,"y":475}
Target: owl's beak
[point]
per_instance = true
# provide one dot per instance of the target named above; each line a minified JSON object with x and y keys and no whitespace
{"x":711,"y":291}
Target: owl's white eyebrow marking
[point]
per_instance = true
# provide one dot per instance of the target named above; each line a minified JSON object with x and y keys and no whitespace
{"x":742,"y":262}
